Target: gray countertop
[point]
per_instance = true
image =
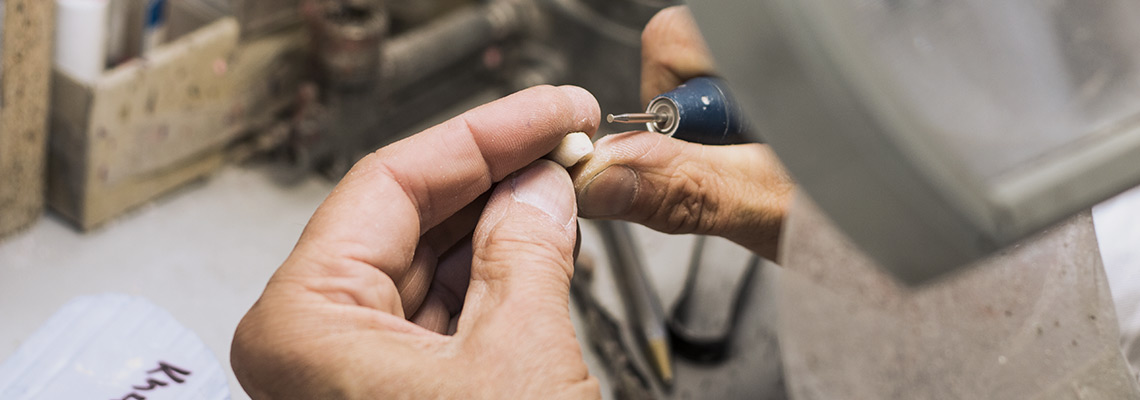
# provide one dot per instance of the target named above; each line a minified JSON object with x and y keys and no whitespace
{"x":205,"y":252}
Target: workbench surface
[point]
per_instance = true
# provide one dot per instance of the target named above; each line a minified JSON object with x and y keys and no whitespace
{"x":205,"y":253}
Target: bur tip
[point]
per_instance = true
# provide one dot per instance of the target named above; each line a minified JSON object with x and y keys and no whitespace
{"x":610,"y":118}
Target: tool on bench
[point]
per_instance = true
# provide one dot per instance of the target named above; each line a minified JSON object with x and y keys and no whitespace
{"x":704,"y":318}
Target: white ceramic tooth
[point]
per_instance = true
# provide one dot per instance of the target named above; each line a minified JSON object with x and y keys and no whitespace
{"x":574,"y":147}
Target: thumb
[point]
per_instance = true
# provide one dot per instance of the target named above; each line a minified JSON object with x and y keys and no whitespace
{"x":737,"y":192}
{"x":523,"y":249}
{"x":515,"y":320}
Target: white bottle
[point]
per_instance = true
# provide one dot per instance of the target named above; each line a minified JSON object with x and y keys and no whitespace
{"x":81,"y":38}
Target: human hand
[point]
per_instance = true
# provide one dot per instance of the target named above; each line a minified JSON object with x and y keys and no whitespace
{"x":737,"y":192}
{"x":404,"y":250}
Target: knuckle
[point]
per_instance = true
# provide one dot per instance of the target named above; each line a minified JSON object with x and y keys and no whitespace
{"x":509,"y":249}
{"x":692,"y":209}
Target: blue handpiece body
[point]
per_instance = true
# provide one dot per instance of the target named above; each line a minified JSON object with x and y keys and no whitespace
{"x":706,"y":113}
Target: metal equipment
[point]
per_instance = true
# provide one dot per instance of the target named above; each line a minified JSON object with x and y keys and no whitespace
{"x":750,"y":367}
{"x":644,"y":313}
{"x":316,"y":83}
{"x":384,"y":69}
{"x":704,"y":318}
{"x":935,"y":133}
{"x":603,"y":332}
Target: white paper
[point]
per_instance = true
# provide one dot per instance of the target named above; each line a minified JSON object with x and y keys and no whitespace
{"x":112,"y":346}
{"x":1117,"y":223}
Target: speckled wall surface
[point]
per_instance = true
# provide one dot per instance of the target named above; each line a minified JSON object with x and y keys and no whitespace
{"x":23,"y":118}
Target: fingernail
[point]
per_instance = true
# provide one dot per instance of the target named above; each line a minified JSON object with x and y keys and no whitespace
{"x":609,"y":194}
{"x":546,"y":186}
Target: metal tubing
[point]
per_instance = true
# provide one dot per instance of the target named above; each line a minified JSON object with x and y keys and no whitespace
{"x":643,"y":307}
{"x":410,"y":57}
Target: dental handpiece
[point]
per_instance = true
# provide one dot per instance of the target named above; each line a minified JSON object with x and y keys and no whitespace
{"x":701,"y":110}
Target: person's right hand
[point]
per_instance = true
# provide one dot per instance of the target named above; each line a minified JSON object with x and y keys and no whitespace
{"x":456,"y":229}
{"x":737,"y":192}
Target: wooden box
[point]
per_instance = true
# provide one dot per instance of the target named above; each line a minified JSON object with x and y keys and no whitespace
{"x":154,"y":124}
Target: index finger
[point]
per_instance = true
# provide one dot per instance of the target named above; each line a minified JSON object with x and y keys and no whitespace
{"x":381,"y":207}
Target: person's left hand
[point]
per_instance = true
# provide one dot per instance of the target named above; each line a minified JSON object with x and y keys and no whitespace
{"x":404,"y":250}
{"x":740,"y":192}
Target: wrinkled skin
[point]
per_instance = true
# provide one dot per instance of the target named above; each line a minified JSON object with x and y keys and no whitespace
{"x":737,"y":192}
{"x":439,"y":267}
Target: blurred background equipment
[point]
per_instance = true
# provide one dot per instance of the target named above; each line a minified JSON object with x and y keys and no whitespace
{"x":936,"y":133}
{"x":604,"y":334}
{"x":702,"y":323}
{"x":745,"y":361}
{"x":150,"y":125}
{"x":935,"y":136}
{"x":25,"y":70}
{"x":173,"y":90}
{"x":644,"y":314}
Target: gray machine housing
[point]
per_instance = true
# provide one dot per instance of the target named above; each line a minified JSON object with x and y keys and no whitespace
{"x":875,"y":171}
